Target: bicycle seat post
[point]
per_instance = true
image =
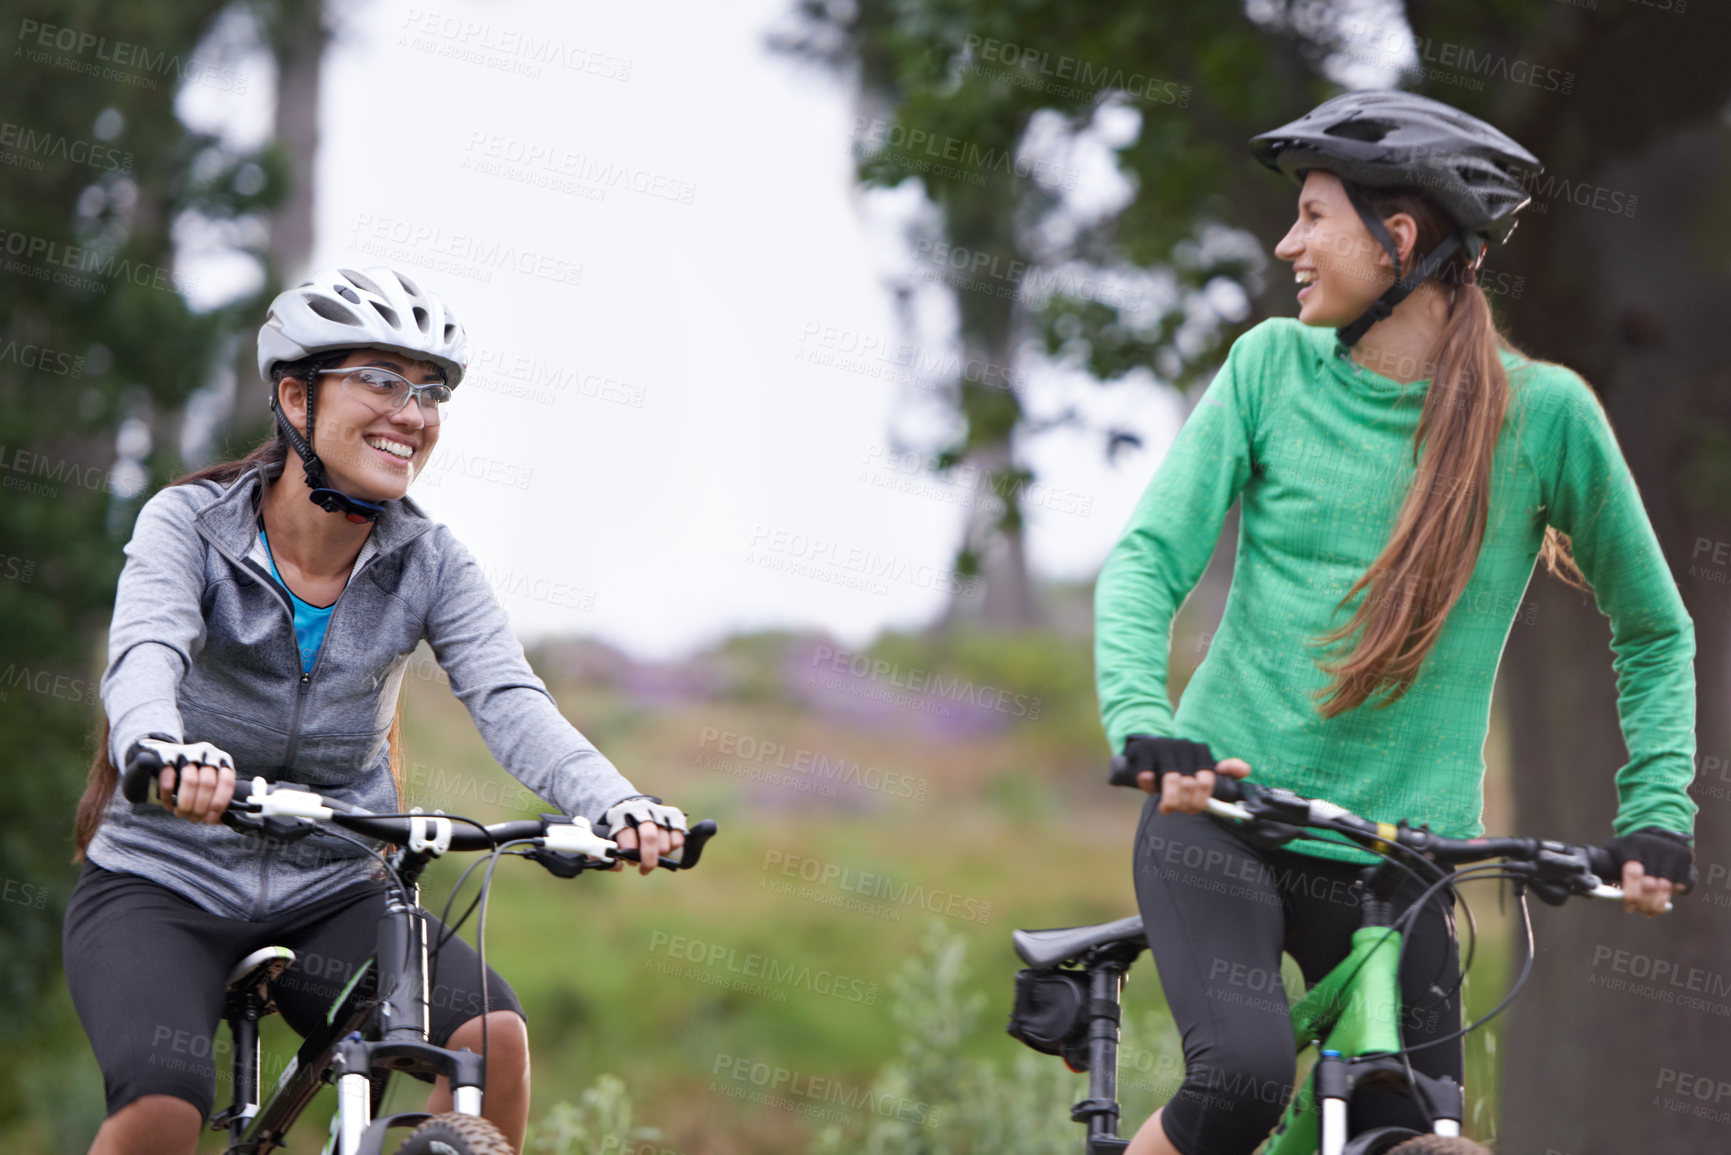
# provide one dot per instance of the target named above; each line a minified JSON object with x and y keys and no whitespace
{"x":1106,"y":967}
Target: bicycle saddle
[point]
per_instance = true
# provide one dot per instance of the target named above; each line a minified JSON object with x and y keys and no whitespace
{"x":1048,"y":948}
{"x":258,"y":968}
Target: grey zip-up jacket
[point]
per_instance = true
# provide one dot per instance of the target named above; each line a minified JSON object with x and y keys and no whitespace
{"x":202,"y":648}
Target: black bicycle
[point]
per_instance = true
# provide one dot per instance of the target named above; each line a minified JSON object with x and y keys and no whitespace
{"x":378,"y":1024}
{"x":1067,"y":1000}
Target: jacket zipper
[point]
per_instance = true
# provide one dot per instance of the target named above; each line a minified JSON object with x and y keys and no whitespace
{"x":259,"y":905}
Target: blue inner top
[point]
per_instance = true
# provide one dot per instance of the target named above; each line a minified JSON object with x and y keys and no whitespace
{"x":310,"y":620}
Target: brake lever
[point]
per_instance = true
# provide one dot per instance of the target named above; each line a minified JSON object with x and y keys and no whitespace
{"x":277,"y":829}
{"x":563,"y":863}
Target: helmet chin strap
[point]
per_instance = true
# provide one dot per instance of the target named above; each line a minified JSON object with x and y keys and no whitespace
{"x":1348,"y":335}
{"x":335,"y":501}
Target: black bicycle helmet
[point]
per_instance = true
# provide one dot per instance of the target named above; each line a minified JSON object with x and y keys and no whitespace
{"x":1389,"y":139}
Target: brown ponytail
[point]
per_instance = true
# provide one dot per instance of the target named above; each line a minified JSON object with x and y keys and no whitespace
{"x":98,"y":789}
{"x":1430,"y":555}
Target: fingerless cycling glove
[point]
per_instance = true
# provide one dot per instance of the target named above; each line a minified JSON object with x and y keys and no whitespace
{"x":1661,"y":853}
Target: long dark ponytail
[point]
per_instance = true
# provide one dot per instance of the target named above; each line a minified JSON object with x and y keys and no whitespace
{"x":1434,"y":546}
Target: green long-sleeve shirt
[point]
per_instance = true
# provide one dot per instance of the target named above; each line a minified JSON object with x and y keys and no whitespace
{"x":1319,"y":450}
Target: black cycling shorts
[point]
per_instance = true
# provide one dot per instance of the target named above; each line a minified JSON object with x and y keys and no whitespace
{"x":147,"y":968}
{"x":1218,"y":913}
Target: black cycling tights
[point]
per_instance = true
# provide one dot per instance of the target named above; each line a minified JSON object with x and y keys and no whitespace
{"x":146,"y":968}
{"x":1218,"y":914}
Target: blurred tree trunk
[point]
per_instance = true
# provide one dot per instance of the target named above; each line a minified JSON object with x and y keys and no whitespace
{"x":1638,"y":305}
{"x":301,"y":38}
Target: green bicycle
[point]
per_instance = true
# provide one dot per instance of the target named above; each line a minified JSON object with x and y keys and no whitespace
{"x":1067,"y":1000}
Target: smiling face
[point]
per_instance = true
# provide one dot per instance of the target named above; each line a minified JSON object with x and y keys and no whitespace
{"x":1339,"y":266}
{"x":367,"y":453}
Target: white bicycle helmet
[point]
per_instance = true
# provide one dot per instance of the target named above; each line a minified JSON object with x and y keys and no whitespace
{"x":375,"y":308}
{"x":378,"y":307}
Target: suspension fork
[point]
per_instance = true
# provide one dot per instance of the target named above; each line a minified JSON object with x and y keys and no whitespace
{"x":404,"y":1024}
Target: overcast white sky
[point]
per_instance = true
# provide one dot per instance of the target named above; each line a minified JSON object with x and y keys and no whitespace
{"x":692,"y":430}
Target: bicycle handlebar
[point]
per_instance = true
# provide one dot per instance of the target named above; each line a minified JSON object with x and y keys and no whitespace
{"x":560,"y":842}
{"x":1554,"y":869}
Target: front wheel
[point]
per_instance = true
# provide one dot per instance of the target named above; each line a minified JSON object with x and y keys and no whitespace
{"x":455,"y":1135}
{"x":1439,"y":1145}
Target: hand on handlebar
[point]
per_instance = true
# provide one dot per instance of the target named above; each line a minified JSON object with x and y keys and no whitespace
{"x":196,"y":781}
{"x":1654,"y":864}
{"x":647,"y":825}
{"x":654,"y":843}
{"x":1189,"y":793}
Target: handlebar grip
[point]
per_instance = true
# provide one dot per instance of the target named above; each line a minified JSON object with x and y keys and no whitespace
{"x":694,"y":840}
{"x":141,"y":770}
{"x":1225,"y":787}
{"x":1121,"y":774}
{"x":1602,"y":864}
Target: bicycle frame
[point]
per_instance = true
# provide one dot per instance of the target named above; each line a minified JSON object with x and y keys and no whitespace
{"x":398,"y":1015}
{"x":1354,"y":1013}
{"x":395,"y":1010}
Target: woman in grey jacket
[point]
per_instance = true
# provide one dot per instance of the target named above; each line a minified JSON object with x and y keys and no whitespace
{"x":262,"y":626}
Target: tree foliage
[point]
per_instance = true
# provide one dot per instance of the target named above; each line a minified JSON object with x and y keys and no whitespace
{"x":99,"y":351}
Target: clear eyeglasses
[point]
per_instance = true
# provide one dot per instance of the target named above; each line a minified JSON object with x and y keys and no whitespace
{"x":388,"y":392}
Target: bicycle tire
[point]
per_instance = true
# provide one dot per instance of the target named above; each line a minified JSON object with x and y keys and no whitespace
{"x":1439,"y":1145}
{"x":455,"y":1134}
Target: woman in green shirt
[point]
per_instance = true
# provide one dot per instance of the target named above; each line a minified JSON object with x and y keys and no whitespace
{"x":1400,"y":467}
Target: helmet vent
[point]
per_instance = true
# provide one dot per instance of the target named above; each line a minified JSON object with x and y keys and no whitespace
{"x":407,"y":284}
{"x":332,"y":311}
{"x":362,"y":282}
{"x":421,"y":319}
{"x":450,"y":330}
{"x":1362,"y":128}
{"x":348,"y":294}
{"x":389,"y":314}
